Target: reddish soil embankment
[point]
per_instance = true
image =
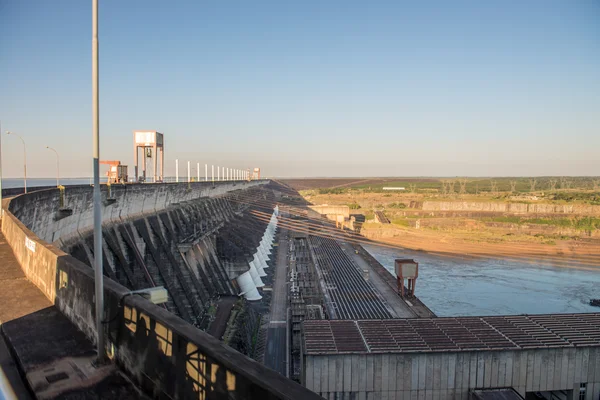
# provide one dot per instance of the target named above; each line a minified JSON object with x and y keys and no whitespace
{"x":581,"y":254}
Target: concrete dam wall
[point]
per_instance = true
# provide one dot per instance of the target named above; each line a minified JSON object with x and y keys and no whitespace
{"x":58,"y":215}
{"x":201,"y":250}
{"x":207,"y":244}
{"x":513,"y":208}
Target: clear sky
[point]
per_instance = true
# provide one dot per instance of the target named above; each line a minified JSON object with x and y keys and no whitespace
{"x":308,"y":88}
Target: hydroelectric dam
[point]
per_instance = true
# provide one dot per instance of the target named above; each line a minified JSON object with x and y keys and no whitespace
{"x":269,"y":297}
{"x":207,"y":243}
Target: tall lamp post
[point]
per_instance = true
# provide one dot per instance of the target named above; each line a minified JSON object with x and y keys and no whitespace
{"x":1,"y":209}
{"x":24,"y":158}
{"x":57,"y":165}
{"x":98,"y":273}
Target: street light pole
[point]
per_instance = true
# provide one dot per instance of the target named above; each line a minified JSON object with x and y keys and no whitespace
{"x":98,"y":273}
{"x":57,"y":166}
{"x":1,"y":209}
{"x":24,"y":158}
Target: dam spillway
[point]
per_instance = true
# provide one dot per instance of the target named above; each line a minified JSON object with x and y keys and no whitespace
{"x":201,"y":240}
{"x":235,"y":259}
{"x":205,"y":251}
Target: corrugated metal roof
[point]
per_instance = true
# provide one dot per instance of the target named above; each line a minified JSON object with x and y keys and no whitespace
{"x":451,"y":334}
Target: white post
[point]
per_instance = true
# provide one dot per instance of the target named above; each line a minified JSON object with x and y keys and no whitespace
{"x":99,"y":272}
{"x":223,"y":173}
{"x":206,"y":172}
{"x":213,"y":173}
{"x":189,"y":177}
{"x":227,"y":173}
{"x":218,"y":174}
{"x":198,"y":171}
{"x":177,"y":170}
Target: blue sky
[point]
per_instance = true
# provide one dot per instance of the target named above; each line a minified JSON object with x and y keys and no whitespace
{"x":308,"y":88}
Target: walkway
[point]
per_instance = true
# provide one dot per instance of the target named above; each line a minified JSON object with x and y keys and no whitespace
{"x":275,"y":357}
{"x":49,"y":348}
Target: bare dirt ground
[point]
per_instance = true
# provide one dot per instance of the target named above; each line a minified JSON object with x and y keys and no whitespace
{"x":566,"y":253}
{"x":462,"y":241}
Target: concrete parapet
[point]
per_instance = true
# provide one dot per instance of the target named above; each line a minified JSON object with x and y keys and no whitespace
{"x":52,"y":218}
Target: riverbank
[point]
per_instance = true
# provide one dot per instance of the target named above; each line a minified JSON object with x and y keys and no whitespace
{"x":580,"y":254}
{"x":458,"y":285}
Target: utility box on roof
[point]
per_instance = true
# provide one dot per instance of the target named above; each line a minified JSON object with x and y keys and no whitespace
{"x":408,"y":269}
{"x":151,"y":143}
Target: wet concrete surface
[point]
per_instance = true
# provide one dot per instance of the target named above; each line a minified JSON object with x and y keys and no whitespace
{"x":454,"y":286}
{"x":276,"y":346}
{"x":275,"y":352}
{"x":37,"y":335}
{"x":10,"y":370}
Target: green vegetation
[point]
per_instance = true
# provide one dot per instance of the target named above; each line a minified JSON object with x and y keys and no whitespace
{"x":428,"y":183}
{"x":400,"y":222}
{"x":396,"y":205}
{"x":592,"y":198}
{"x":354,"y":206}
{"x":502,"y":187}
{"x":581,"y":223}
{"x":332,"y":191}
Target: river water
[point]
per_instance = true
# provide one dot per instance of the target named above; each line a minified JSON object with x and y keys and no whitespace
{"x":452,"y":286}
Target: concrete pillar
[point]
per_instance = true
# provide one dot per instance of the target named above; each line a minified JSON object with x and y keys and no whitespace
{"x":264,"y":255}
{"x":223,"y":173}
{"x":255,"y":277}
{"x":206,"y":172}
{"x":189,"y":173}
{"x":198,"y":171}
{"x":213,"y":173}
{"x":218,"y":173}
{"x":176,"y":170}
{"x":259,"y":269}
{"x":267,"y":249}
{"x":247,"y":287}
{"x":261,"y":261}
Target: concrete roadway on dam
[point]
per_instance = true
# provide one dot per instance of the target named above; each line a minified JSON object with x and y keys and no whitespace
{"x":395,"y":302}
{"x":275,"y":355}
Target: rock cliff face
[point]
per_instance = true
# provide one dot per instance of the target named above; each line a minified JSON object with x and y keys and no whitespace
{"x":512,"y":208}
